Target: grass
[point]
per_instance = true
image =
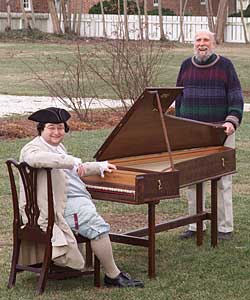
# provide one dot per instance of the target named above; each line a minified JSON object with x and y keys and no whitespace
{"x":17,"y":79}
{"x":184,"y":271}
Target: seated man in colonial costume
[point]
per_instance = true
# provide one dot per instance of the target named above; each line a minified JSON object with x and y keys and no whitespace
{"x":74,"y":208}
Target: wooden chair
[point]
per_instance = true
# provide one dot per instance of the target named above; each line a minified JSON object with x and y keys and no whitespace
{"x":32,"y":232}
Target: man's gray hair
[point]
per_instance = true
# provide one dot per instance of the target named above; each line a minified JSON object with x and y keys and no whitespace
{"x":210,"y":33}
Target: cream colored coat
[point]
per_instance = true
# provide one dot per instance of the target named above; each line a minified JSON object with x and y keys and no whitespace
{"x":65,"y":251}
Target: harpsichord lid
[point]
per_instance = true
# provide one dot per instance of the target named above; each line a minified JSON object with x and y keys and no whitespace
{"x":140,"y":131}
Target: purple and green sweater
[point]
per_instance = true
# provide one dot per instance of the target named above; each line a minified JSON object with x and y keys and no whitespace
{"x":212,"y":91}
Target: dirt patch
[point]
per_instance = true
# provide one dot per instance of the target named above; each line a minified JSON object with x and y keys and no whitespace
{"x":21,"y":127}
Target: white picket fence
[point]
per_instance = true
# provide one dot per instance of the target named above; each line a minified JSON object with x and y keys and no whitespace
{"x":92,"y":26}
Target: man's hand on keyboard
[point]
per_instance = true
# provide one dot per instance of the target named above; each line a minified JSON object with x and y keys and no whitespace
{"x":105,"y":166}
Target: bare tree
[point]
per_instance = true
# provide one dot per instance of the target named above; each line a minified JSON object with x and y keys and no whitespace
{"x":33,"y":18}
{"x":125,"y":13}
{"x":162,"y":35}
{"x":125,"y":67}
{"x":146,"y":19}
{"x":184,"y":7}
{"x":78,"y":28}
{"x":181,"y":37}
{"x":221,"y":21}
{"x":210,"y":16}
{"x":69,"y":11}
{"x":119,"y":27}
{"x":74,"y":18}
{"x":243,"y":22}
{"x":8,"y":26}
{"x":182,"y":14}
{"x":139,"y":19}
{"x":25,"y":17}
{"x":54,"y":17}
{"x":103,"y":20}
{"x":72,"y":87}
{"x":65,"y":17}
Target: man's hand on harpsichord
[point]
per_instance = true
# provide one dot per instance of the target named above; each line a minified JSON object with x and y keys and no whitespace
{"x":105,"y":166}
{"x":94,"y":168}
{"x":228,"y":128}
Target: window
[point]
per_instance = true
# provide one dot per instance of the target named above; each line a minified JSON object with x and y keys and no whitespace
{"x":26,"y":4}
{"x":155,"y":2}
{"x":203,"y":2}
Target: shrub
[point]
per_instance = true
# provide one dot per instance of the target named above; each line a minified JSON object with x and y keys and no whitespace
{"x":246,"y":13}
{"x":111,"y":7}
{"x":165,"y":12}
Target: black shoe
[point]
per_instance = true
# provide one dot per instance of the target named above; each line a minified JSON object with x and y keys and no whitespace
{"x":225,"y":236}
{"x":122,"y":280}
{"x":187,"y":234}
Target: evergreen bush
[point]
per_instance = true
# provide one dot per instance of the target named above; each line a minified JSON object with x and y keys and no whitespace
{"x":246,"y":13}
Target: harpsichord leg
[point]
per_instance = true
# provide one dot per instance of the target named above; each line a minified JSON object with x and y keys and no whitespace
{"x":151,"y":240}
{"x":199,"y":208}
{"x":214,"y":209}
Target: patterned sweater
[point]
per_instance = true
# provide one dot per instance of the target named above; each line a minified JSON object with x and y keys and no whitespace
{"x":212,"y":92}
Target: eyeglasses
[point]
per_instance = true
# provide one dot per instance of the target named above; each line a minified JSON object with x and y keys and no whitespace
{"x":55,"y":128}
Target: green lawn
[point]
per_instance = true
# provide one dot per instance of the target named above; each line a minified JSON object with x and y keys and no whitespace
{"x":16,"y":77}
{"x":184,"y":271}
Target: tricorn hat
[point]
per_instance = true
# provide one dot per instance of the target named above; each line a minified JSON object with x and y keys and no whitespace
{"x":50,"y":115}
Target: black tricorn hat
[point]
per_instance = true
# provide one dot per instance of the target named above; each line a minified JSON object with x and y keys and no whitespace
{"x":50,"y":115}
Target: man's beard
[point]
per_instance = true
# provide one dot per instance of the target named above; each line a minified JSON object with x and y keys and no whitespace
{"x":203,"y":58}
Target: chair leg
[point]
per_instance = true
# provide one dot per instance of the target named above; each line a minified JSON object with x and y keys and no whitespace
{"x":14,"y":262}
{"x":89,"y":255}
{"x":97,"y":272}
{"x":44,"y":271}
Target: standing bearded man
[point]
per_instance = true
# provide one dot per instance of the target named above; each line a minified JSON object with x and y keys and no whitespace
{"x":212,"y":93}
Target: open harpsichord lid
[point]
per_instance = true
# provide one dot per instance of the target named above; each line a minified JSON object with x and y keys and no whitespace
{"x":140,"y":131}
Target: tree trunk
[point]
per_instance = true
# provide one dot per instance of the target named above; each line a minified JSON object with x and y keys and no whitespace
{"x":69,"y":11}
{"x":59,"y":10}
{"x":54,"y":17}
{"x":74,"y":20}
{"x":119,"y":26}
{"x":103,"y":20}
{"x":32,"y":14}
{"x":181,"y":37}
{"x":182,"y":13}
{"x":243,"y":22}
{"x":210,"y":16}
{"x":162,"y":35}
{"x":146,"y":19}
{"x":78,"y":28}
{"x":74,"y":13}
{"x":8,"y":26}
{"x":221,"y":21}
{"x":125,"y":7}
{"x":139,"y":19}
{"x":25,"y":17}
{"x":65,"y":17}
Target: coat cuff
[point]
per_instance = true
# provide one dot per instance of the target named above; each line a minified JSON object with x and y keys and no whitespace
{"x":233,"y":120}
